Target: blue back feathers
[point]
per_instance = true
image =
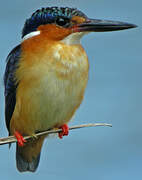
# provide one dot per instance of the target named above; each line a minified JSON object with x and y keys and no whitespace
{"x":10,"y":84}
{"x":47,"y":16}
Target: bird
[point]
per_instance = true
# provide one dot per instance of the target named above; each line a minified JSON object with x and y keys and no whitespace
{"x":46,"y":76}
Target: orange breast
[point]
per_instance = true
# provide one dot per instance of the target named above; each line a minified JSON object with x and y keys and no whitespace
{"x":52,"y":78}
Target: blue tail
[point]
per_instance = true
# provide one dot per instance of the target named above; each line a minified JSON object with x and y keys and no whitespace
{"x":28,"y":156}
{"x":23,"y":165}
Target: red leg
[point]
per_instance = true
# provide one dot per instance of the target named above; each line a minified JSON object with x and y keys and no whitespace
{"x":64,"y":132}
{"x":20,"y":139}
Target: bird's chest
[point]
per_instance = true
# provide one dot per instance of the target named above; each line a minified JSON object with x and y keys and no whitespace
{"x":61,"y":88}
{"x":56,"y":88}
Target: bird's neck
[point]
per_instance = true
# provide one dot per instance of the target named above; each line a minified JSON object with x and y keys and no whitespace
{"x":64,"y":57}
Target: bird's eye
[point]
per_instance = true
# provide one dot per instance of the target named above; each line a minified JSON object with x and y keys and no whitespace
{"x":62,"y":21}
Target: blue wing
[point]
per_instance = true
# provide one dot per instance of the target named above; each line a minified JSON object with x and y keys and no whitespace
{"x":10,"y":84}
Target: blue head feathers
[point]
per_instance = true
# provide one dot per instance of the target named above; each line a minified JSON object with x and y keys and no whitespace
{"x":47,"y":16}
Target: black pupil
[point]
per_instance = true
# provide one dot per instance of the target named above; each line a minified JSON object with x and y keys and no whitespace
{"x":62,"y":21}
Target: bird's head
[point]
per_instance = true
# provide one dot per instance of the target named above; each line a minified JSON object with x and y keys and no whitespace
{"x":59,"y":23}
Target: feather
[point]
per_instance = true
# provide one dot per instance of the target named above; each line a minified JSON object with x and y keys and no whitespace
{"x":10,"y":84}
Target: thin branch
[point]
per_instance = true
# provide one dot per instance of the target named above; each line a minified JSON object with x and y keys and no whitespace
{"x":12,"y":139}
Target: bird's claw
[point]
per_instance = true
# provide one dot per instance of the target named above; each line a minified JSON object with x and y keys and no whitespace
{"x":64,"y":132}
{"x":20,"y":139}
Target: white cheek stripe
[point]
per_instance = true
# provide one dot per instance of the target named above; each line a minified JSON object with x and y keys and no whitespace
{"x":35,"y":33}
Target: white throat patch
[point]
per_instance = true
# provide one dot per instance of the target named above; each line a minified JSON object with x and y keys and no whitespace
{"x":74,"y":38}
{"x":35,"y":33}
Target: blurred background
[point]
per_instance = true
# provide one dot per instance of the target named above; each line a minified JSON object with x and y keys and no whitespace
{"x":113,"y":95}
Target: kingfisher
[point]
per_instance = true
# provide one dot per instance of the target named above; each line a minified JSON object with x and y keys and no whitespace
{"x":46,"y":76}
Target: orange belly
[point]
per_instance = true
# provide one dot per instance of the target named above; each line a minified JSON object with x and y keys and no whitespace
{"x":50,"y":90}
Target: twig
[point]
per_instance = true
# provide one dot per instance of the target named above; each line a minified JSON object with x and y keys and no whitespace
{"x":12,"y":139}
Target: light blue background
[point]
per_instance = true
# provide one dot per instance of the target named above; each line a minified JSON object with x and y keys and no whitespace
{"x":113,"y":95}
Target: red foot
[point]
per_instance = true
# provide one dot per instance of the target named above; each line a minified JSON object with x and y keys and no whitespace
{"x":20,"y":139}
{"x":64,"y":132}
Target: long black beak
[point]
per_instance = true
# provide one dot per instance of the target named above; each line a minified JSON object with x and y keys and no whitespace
{"x":96,"y":25}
